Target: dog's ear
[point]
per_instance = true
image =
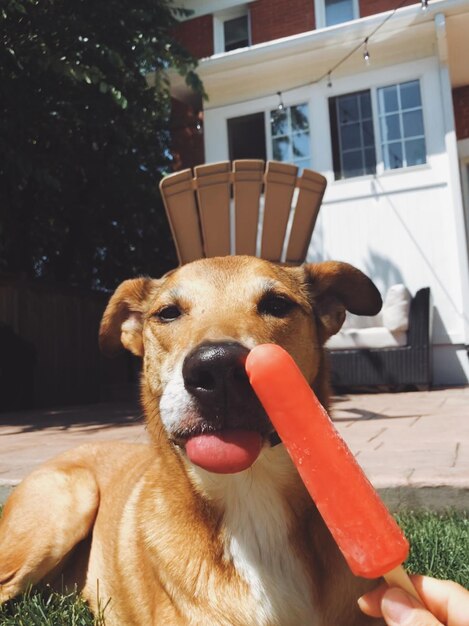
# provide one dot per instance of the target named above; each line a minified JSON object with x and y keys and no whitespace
{"x":122,"y":320}
{"x":336,"y":287}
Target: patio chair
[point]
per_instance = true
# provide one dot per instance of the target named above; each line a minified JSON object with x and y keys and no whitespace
{"x":398,"y":368}
{"x":239,"y":208}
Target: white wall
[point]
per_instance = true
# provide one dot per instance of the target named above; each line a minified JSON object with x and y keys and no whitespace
{"x":397,"y":226}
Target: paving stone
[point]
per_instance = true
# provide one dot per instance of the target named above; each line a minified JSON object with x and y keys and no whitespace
{"x":413,"y":446}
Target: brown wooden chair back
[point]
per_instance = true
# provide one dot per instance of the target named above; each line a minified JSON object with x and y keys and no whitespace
{"x":241,"y":209}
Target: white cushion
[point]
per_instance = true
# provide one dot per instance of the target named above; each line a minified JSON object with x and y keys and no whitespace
{"x":360,"y":338}
{"x":385,"y":330}
{"x":362,"y":321}
{"x":396,"y":307}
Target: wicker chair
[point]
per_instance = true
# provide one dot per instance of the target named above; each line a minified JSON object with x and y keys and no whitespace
{"x":216,"y":211}
{"x":399,"y":368}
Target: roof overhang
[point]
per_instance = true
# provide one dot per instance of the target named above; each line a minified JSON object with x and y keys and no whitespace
{"x":302,"y":59}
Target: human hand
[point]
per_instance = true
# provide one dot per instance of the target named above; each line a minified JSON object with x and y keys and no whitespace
{"x":446,"y":604}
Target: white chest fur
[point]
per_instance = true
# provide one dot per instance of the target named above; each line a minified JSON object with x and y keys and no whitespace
{"x":257,"y":524}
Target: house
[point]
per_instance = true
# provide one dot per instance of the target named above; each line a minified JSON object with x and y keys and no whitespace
{"x":374,"y":94}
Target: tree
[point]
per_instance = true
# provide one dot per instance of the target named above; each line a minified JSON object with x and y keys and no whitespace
{"x":84,"y":139}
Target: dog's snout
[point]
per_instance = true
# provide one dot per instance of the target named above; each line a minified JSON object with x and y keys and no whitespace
{"x":213,"y":372}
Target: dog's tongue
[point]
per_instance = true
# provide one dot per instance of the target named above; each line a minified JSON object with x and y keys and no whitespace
{"x":225,"y":452}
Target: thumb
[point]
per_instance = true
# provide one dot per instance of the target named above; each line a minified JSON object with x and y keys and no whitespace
{"x":400,"y":609}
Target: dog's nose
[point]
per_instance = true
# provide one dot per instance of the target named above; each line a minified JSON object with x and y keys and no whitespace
{"x":214,"y":372}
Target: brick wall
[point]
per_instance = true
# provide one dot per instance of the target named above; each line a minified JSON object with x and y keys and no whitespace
{"x":272,"y":19}
{"x":461,"y":111}
{"x":187,"y":143}
{"x":371,"y":7}
{"x":196,"y":36}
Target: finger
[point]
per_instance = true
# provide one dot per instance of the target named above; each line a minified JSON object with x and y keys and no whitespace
{"x":447,"y":600}
{"x":370,"y":603}
{"x":400,"y":609}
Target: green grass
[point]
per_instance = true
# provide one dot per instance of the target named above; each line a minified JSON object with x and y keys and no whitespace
{"x":440,"y":548}
{"x":47,"y":609}
{"x":439,"y":544}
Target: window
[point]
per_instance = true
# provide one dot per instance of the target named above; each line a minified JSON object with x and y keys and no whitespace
{"x":338,"y":11}
{"x":290,"y":135}
{"x":402,"y":134}
{"x":401,"y":125}
{"x":246,"y":137}
{"x":353,"y":140}
{"x":236,"y":33}
{"x":332,"y":12}
{"x":231,"y":29}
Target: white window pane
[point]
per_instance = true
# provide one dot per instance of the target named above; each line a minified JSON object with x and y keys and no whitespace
{"x":368,"y":133}
{"x":290,"y":134}
{"x":388,"y":99}
{"x":302,"y":163}
{"x":370,"y":160}
{"x":350,"y":136}
{"x":299,"y":117}
{"x":393,"y":156}
{"x":352,"y":163}
{"x":338,"y":11}
{"x":348,"y":109}
{"x":279,"y":122}
{"x":415,"y":152}
{"x":365,"y":105}
{"x":390,"y":127}
{"x":236,"y":33}
{"x":281,"y":149}
{"x":413,"y":123}
{"x":300,"y":145}
{"x":410,"y":95}
{"x":406,"y":123}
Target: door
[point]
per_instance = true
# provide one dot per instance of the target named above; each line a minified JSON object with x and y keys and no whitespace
{"x":246,"y":137}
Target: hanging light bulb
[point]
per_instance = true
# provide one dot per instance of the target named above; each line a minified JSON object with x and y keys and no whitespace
{"x":329,"y":81}
{"x":280,"y":105}
{"x":424,"y":4}
{"x":199,"y":123}
{"x":366,"y":54}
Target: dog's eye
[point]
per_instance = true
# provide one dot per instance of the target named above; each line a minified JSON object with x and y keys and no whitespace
{"x":169,"y":313}
{"x":275,"y":305}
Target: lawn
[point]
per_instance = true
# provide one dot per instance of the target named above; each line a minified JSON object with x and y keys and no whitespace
{"x":439,"y":544}
{"x":440,"y":548}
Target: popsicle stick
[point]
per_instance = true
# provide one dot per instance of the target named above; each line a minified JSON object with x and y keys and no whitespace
{"x":398,"y":577}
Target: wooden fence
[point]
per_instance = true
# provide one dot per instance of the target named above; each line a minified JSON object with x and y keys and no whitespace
{"x":49,"y":347}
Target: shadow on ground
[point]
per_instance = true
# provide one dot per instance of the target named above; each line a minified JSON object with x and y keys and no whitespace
{"x":98,"y":416}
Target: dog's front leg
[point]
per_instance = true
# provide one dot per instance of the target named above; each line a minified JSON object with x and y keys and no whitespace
{"x":45,"y":517}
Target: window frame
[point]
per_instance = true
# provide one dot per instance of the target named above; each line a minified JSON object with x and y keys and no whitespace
{"x":269,"y":137}
{"x":219,"y":20}
{"x":382,"y":114}
{"x":320,"y":14}
{"x":334,"y":134}
{"x":380,"y":169}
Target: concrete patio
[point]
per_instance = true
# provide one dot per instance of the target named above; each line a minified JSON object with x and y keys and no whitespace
{"x":413,"y":446}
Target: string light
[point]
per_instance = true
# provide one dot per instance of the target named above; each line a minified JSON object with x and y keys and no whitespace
{"x":366,"y":54}
{"x":280,"y":105}
{"x":365,"y":41}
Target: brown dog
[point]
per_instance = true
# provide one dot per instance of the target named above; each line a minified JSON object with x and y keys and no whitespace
{"x":145,"y":528}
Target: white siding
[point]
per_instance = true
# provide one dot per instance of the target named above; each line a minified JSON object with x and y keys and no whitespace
{"x":397,"y":226}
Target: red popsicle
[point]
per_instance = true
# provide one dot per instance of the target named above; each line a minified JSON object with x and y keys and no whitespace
{"x":367,"y":535}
